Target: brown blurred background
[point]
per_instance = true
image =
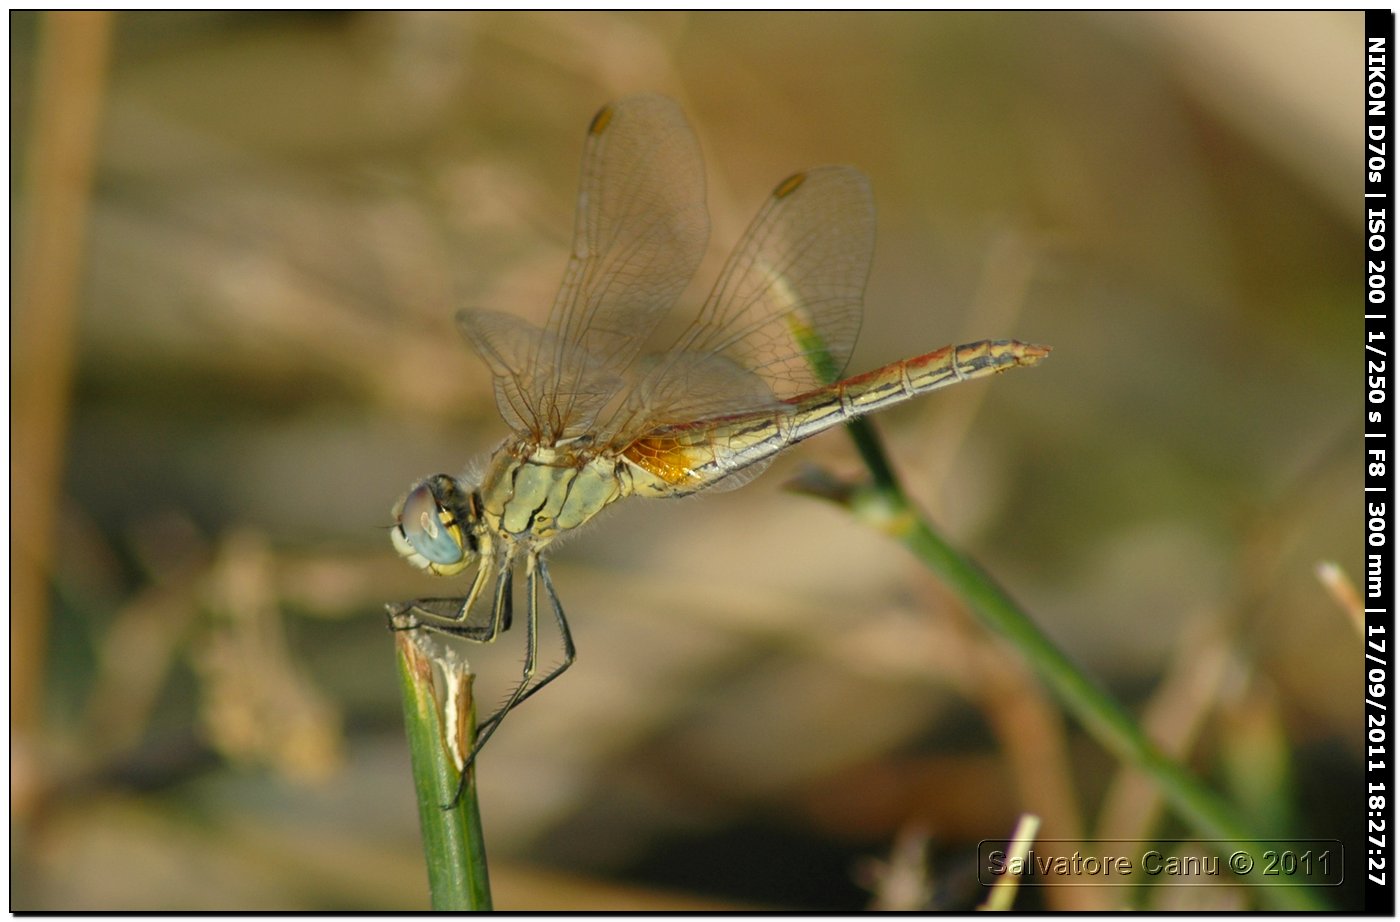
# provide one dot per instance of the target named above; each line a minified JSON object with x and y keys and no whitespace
{"x":238,"y":243}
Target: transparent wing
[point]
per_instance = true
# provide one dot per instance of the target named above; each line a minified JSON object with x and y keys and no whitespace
{"x":787,"y":304}
{"x":795,"y":283}
{"x":511,"y":348}
{"x":639,"y":235}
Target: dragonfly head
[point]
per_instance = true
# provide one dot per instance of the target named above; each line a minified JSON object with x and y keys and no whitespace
{"x":435,"y":525}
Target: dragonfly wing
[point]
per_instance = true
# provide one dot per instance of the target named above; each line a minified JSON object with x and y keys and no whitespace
{"x":640,"y":233}
{"x":673,"y":387}
{"x":506,"y":344}
{"x":789,"y":300}
{"x":510,"y":346}
{"x":783,"y":316}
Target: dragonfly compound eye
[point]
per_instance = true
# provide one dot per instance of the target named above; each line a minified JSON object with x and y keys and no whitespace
{"x":428,"y":529}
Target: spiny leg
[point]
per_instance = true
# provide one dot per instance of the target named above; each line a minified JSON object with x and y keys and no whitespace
{"x":566,"y":638}
{"x":536,"y":566}
{"x":451,"y":616}
{"x":488,"y":726}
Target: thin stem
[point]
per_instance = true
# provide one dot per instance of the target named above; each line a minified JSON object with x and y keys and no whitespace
{"x":1004,"y":890}
{"x":54,"y":192}
{"x":453,"y":843}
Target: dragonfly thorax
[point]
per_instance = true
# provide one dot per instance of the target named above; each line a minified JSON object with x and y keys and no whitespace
{"x":532,"y":495}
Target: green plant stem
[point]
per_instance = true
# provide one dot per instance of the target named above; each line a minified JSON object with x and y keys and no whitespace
{"x":884,"y":505}
{"x":453,"y":843}
{"x":1004,"y":891}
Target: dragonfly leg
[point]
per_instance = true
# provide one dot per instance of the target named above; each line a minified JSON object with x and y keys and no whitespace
{"x":452,"y":616}
{"x":537,"y":574}
{"x":565,"y":637}
{"x":488,"y":726}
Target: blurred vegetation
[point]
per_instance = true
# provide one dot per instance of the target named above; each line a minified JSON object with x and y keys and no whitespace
{"x":233,"y":349}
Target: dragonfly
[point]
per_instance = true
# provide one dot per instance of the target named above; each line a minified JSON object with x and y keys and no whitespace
{"x":603,"y":406}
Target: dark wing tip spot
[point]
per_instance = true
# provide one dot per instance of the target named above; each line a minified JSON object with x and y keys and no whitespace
{"x":601,"y":120}
{"x":789,"y":186}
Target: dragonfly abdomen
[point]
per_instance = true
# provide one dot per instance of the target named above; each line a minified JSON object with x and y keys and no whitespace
{"x":899,"y":381}
{"x":819,"y":410}
{"x":681,"y":459}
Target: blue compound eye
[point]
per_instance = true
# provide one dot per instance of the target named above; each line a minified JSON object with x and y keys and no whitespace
{"x":422,"y":524}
